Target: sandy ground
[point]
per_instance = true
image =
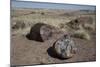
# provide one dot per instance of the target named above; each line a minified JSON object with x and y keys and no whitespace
{"x":30,"y":52}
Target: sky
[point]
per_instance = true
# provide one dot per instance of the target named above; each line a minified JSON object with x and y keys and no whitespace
{"x":30,"y":4}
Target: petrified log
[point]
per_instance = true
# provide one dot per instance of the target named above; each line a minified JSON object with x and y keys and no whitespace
{"x":40,"y":32}
{"x":64,"y":47}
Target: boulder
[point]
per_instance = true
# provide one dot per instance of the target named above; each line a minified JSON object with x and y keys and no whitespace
{"x":40,"y":32}
{"x":64,"y":47}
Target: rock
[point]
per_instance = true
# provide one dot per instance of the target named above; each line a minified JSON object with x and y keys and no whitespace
{"x":40,"y":32}
{"x":64,"y":47}
{"x":46,"y":32}
{"x":74,"y":24}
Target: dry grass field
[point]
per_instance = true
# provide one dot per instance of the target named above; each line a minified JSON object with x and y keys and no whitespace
{"x":80,"y":24}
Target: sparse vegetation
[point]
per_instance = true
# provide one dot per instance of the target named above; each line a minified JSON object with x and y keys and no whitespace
{"x":18,"y":25}
{"x":24,"y":18}
{"x":89,"y":27}
{"x":81,"y":34}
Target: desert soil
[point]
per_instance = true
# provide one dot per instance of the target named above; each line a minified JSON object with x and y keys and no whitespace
{"x":31,"y":52}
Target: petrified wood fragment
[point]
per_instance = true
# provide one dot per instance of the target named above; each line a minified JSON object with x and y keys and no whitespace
{"x":41,"y":32}
{"x":64,"y":47}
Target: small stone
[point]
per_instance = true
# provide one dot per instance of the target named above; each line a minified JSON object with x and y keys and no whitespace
{"x":65,"y":47}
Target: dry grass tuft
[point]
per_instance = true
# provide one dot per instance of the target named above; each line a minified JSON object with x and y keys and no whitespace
{"x":89,"y":27}
{"x":82,"y":34}
{"x":18,"y":25}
